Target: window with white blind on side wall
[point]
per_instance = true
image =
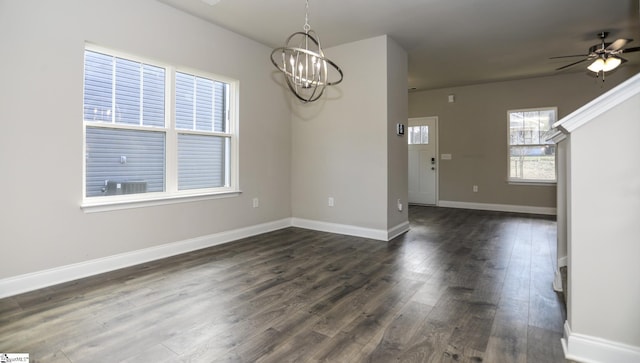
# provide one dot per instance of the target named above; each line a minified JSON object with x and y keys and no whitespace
{"x":154,"y":131}
{"x":531,"y":158}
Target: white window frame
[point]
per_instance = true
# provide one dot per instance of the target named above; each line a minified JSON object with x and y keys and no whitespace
{"x":171,"y":194}
{"x":520,"y":181}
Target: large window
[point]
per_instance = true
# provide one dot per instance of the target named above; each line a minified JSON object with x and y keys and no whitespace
{"x":531,"y":157}
{"x":154,"y":130}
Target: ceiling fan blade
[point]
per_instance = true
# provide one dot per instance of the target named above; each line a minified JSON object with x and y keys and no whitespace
{"x":570,"y":56}
{"x":629,"y":50}
{"x":572,"y":64}
{"x":618,"y":44}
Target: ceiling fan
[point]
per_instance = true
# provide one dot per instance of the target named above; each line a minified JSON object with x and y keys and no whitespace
{"x":605,"y":56}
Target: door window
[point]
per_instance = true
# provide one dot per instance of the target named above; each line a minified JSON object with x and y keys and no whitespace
{"x":418,"y":135}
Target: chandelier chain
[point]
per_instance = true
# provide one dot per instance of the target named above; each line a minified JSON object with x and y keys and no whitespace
{"x":306,"y":26}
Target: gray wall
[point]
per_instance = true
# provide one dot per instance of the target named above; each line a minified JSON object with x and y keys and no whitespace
{"x":474,"y":130}
{"x":397,"y":111}
{"x":41,"y":223}
{"x":345,"y":146}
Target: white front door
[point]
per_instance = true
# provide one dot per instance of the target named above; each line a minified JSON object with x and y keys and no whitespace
{"x":423,"y":160}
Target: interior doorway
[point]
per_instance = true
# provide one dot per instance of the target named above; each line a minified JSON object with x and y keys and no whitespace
{"x":423,"y":160}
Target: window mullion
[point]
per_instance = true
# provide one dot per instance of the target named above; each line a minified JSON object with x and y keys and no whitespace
{"x":113,"y":93}
{"x":214,"y":109}
{"x":171,"y":150}
{"x":141,"y":95}
{"x":194,"y":103}
{"x":231,"y":109}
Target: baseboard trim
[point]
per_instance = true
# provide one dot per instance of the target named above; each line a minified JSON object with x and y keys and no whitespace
{"x":36,"y":280}
{"x":378,"y":234}
{"x":40,"y":279}
{"x":498,"y":207}
{"x":397,"y":230}
{"x":562,"y":261}
{"x":589,"y":349}
{"x":557,"y":280}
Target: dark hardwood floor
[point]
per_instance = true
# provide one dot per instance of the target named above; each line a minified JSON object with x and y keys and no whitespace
{"x":461,"y":286}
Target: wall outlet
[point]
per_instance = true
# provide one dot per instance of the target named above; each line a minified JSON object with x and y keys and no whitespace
{"x":399,"y":205}
{"x":256,"y":202}
{"x":330,"y":202}
{"x":475,"y":188}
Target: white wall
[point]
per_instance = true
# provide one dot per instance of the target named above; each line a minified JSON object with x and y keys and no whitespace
{"x":340,"y":143}
{"x":41,"y":70}
{"x":605,"y":230}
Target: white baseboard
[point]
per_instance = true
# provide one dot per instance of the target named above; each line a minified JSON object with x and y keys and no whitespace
{"x":397,"y":230}
{"x":378,"y":234}
{"x":557,"y":280}
{"x":589,"y":349}
{"x":562,"y":261}
{"x":39,"y":279}
{"x":498,"y":207}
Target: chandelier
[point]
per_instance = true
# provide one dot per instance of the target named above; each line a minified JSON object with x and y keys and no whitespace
{"x":304,"y":65}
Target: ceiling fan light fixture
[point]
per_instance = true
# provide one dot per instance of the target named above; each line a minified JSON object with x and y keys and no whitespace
{"x":597,"y":66}
{"x":604,"y":57}
{"x":603,"y":64}
{"x":611,"y":63}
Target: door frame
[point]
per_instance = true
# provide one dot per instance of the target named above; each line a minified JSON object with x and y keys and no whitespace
{"x":414,"y":121}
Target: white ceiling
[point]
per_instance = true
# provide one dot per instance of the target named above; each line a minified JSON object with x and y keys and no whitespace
{"x":449,"y":42}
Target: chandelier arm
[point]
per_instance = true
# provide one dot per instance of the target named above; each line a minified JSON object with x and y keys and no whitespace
{"x":316,"y":39}
{"x":293,"y":87}
{"x":337,"y":68}
{"x":295,"y":92}
{"x":305,"y":51}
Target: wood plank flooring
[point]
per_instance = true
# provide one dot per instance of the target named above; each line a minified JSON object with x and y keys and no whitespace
{"x":461,"y":286}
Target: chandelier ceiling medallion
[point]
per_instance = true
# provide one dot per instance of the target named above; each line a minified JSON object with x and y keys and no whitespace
{"x":304,"y":65}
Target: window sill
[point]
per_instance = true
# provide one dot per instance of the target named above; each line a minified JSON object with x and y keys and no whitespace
{"x":550,"y":183}
{"x":106,"y":204}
